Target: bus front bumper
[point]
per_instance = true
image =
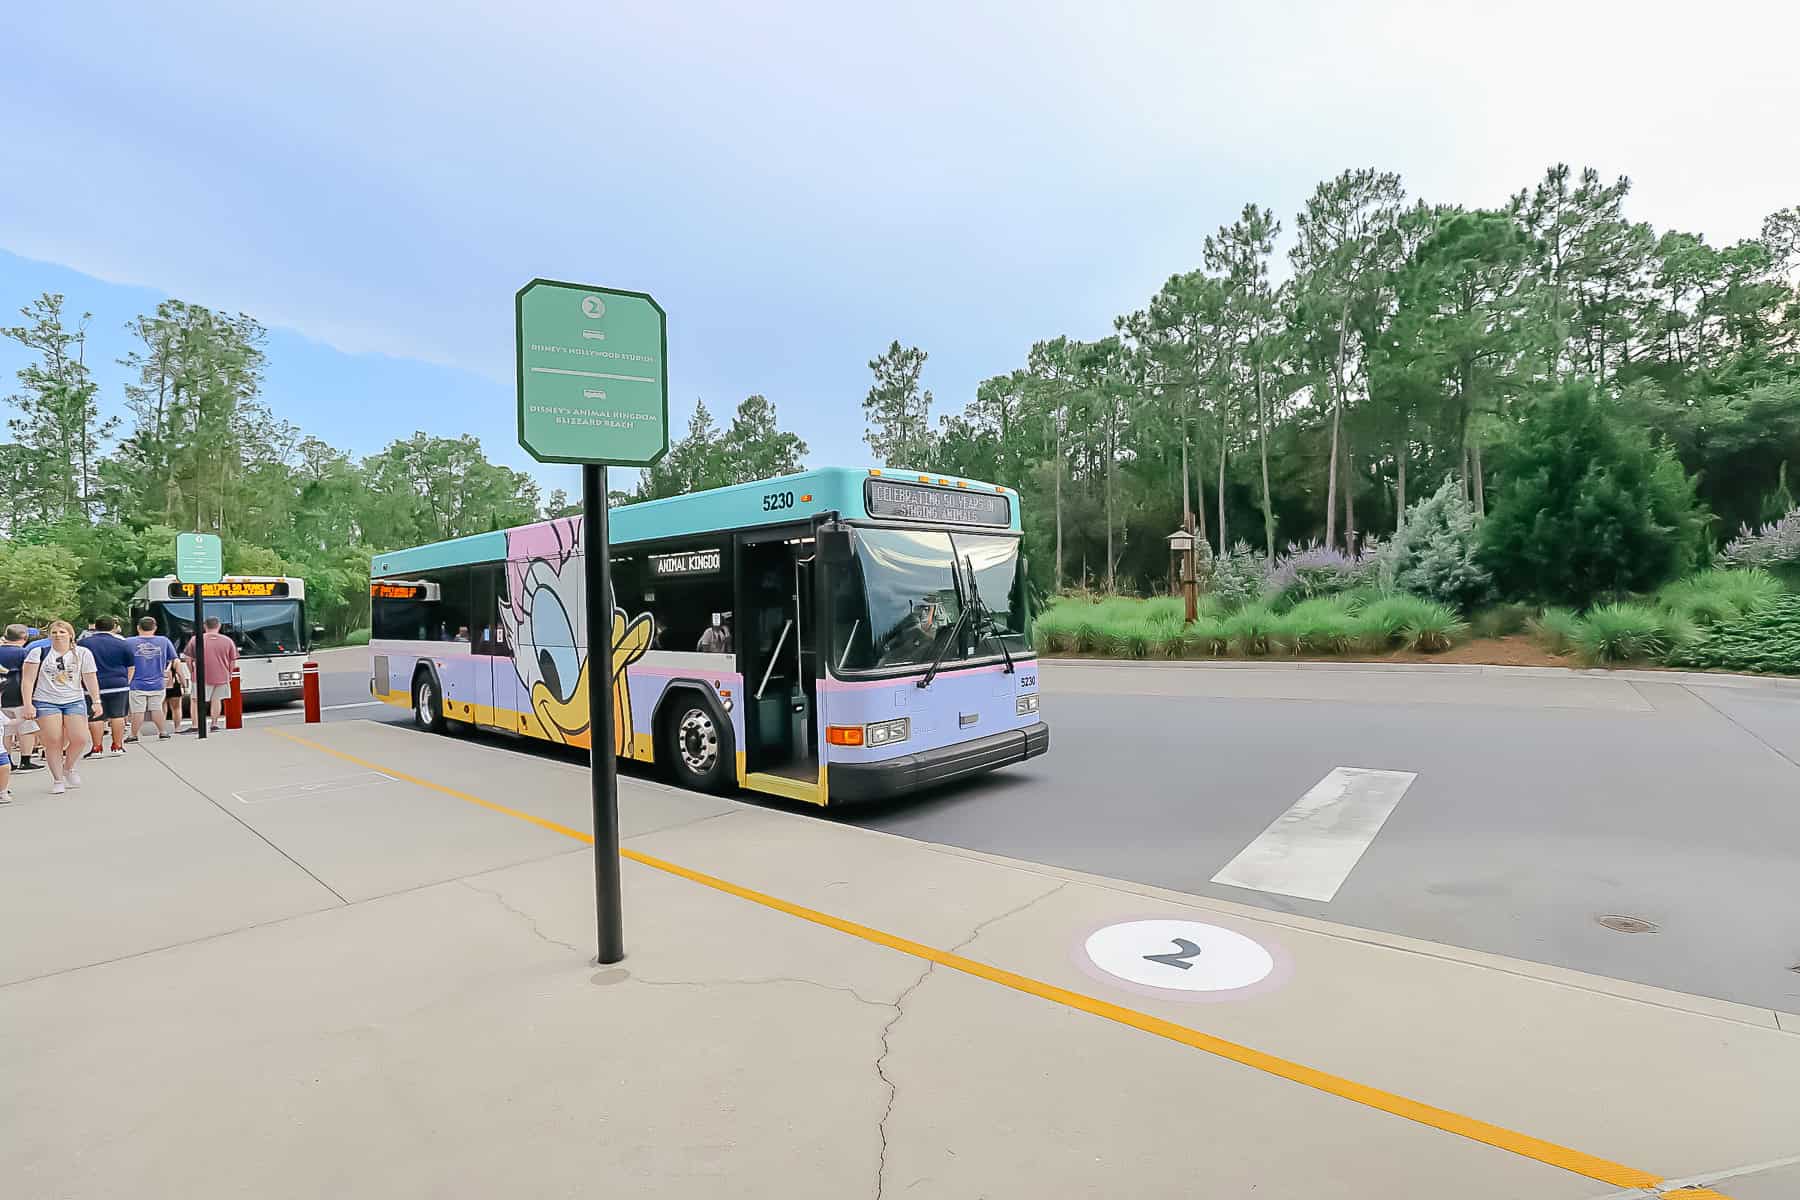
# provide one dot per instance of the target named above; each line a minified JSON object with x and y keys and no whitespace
{"x":854,"y":783}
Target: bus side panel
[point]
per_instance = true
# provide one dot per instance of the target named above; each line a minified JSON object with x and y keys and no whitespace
{"x":401,"y":661}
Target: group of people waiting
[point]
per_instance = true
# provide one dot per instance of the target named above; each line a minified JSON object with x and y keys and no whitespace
{"x":52,"y":683}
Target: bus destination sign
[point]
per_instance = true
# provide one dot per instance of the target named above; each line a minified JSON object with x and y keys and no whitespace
{"x":944,"y":506}
{"x":232,"y":589}
{"x":695,"y":562}
{"x":397,"y":591}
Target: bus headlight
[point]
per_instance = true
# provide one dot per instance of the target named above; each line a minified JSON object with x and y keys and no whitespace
{"x":886,"y":733}
{"x":1026,"y":706}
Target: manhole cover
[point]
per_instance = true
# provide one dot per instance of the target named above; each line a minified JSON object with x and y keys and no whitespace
{"x":1620,"y":924}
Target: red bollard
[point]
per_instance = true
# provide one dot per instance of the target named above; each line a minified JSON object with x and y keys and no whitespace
{"x":309,"y":691}
{"x":234,"y":704}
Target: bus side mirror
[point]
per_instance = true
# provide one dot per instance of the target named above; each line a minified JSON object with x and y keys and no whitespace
{"x":833,"y":546}
{"x":318,"y":631}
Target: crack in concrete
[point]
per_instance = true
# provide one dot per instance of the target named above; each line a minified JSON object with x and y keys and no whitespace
{"x":530,"y":921}
{"x":899,"y":1007}
{"x":830,"y":987}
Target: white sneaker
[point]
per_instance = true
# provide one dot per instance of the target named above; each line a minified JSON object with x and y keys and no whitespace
{"x":116,"y":752}
{"x":6,"y":796}
{"x":58,"y":787}
{"x":74,"y":779}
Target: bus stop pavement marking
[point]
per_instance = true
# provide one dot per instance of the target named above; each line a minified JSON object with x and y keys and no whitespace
{"x":1604,"y":1170}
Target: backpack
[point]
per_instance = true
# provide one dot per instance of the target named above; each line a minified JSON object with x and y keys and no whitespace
{"x":12,"y":687}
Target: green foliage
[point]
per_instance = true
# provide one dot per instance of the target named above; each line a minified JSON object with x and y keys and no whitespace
{"x":1765,"y":639}
{"x":1254,"y":630}
{"x":1240,"y":576}
{"x":1622,"y":633}
{"x":1434,"y":554}
{"x":1720,"y":595}
{"x":356,"y":637}
{"x":1502,"y":620}
{"x":1322,"y":625}
{"x":1411,"y":622}
{"x":38,"y":584}
{"x":1556,"y":629}
{"x":752,"y":447}
{"x":1591,"y":509}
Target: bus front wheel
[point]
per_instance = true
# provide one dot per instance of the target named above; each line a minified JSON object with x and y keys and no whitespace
{"x":699,"y":746}
{"x":428,"y":712}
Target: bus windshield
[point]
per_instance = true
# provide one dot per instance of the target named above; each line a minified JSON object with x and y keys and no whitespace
{"x":896,"y":604}
{"x":257,"y":626}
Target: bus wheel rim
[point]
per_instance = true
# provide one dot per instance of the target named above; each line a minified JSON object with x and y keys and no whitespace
{"x":698,"y":739}
{"x":425,"y":704}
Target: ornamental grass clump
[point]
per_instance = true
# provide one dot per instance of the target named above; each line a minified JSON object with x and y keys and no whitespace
{"x":1411,"y":622}
{"x":1555,"y":629}
{"x":1719,"y":595}
{"x":1622,"y":633}
{"x":1206,"y":637}
{"x":1322,"y":625}
{"x":1765,"y":640}
{"x":1255,"y":631}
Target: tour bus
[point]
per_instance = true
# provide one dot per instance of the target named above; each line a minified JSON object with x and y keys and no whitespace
{"x":264,"y":614}
{"x":830,"y":636}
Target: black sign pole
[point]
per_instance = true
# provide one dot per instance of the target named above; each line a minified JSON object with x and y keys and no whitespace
{"x":603,"y":765}
{"x":199,"y":688}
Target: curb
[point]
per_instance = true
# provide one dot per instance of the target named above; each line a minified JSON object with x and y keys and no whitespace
{"x":1628,"y":675}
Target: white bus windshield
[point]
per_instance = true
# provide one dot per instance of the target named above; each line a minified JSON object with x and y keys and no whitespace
{"x":257,"y":626}
{"x":895,"y":604}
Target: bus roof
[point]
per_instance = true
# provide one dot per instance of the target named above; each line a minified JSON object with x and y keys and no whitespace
{"x":740,"y":506}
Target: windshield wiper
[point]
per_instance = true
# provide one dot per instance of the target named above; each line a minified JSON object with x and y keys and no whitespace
{"x":951,"y":640}
{"x":984,"y":613}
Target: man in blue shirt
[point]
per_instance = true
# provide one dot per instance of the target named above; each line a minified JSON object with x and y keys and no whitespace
{"x":114,"y":663}
{"x":153,"y":656}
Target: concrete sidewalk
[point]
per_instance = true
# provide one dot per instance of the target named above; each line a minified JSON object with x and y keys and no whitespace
{"x":356,"y":960}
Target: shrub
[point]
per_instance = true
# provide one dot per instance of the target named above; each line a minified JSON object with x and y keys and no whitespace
{"x":356,"y":637}
{"x":1310,"y":571}
{"x":1322,"y":625}
{"x":1435,"y":555}
{"x":1239,"y":577}
{"x":1555,"y":629}
{"x":1206,"y":637}
{"x":1719,"y":595}
{"x":1411,"y":621}
{"x":1774,"y":544}
{"x":1767,"y":639}
{"x":1054,"y":631}
{"x":1618,"y":633}
{"x":1254,"y":630}
{"x":1592,"y":507}
{"x":1502,"y":620}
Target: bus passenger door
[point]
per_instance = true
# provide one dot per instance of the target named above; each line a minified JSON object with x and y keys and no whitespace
{"x":779,"y":662}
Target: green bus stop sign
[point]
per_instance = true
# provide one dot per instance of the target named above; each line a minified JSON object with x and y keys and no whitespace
{"x":198,"y":558}
{"x":593,"y":387}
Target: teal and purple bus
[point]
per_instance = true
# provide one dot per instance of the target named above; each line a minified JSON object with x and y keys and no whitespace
{"x":832,"y":636}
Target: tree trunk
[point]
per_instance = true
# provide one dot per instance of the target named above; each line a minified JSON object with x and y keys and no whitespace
{"x":1400,"y":476}
{"x":1262,"y":438}
{"x":1059,"y":511}
{"x":1199,"y":493}
{"x":1187,"y":509}
{"x":1106,"y":482}
{"x":1480,"y":493}
{"x":1349,"y":496}
{"x":1224,"y":414}
{"x":1337,"y":410}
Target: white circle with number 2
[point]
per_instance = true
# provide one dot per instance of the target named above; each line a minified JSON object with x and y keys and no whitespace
{"x":1183,"y":956}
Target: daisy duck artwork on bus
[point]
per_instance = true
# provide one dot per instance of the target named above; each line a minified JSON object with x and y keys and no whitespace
{"x":542,"y":610}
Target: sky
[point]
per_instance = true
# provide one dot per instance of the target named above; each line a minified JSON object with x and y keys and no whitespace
{"x":797,"y":184}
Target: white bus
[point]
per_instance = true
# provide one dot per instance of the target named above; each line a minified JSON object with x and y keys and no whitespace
{"x":264,"y":614}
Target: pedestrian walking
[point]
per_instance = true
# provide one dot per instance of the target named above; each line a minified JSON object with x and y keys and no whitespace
{"x":221,"y":661}
{"x":62,"y":689}
{"x":114,"y":663}
{"x":21,"y":735}
{"x":178,"y":686}
{"x":153,"y":657}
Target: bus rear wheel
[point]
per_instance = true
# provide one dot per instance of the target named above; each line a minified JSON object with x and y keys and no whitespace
{"x":428,"y":711}
{"x":699,"y":747}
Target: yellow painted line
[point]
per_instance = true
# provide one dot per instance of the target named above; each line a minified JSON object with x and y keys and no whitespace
{"x":1522,"y":1144}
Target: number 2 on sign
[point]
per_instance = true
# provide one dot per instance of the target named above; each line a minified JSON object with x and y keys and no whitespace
{"x":1185,"y":952}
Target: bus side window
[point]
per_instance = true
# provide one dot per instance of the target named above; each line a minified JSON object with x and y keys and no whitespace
{"x":487,"y":635}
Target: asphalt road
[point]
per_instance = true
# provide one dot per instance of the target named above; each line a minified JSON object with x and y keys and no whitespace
{"x":1540,"y":805}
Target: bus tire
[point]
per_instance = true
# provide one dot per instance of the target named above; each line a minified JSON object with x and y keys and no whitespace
{"x":428,"y":704}
{"x":698,"y":743}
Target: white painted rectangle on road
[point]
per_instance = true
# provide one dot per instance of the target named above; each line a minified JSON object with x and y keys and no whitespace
{"x":1311,"y":848}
